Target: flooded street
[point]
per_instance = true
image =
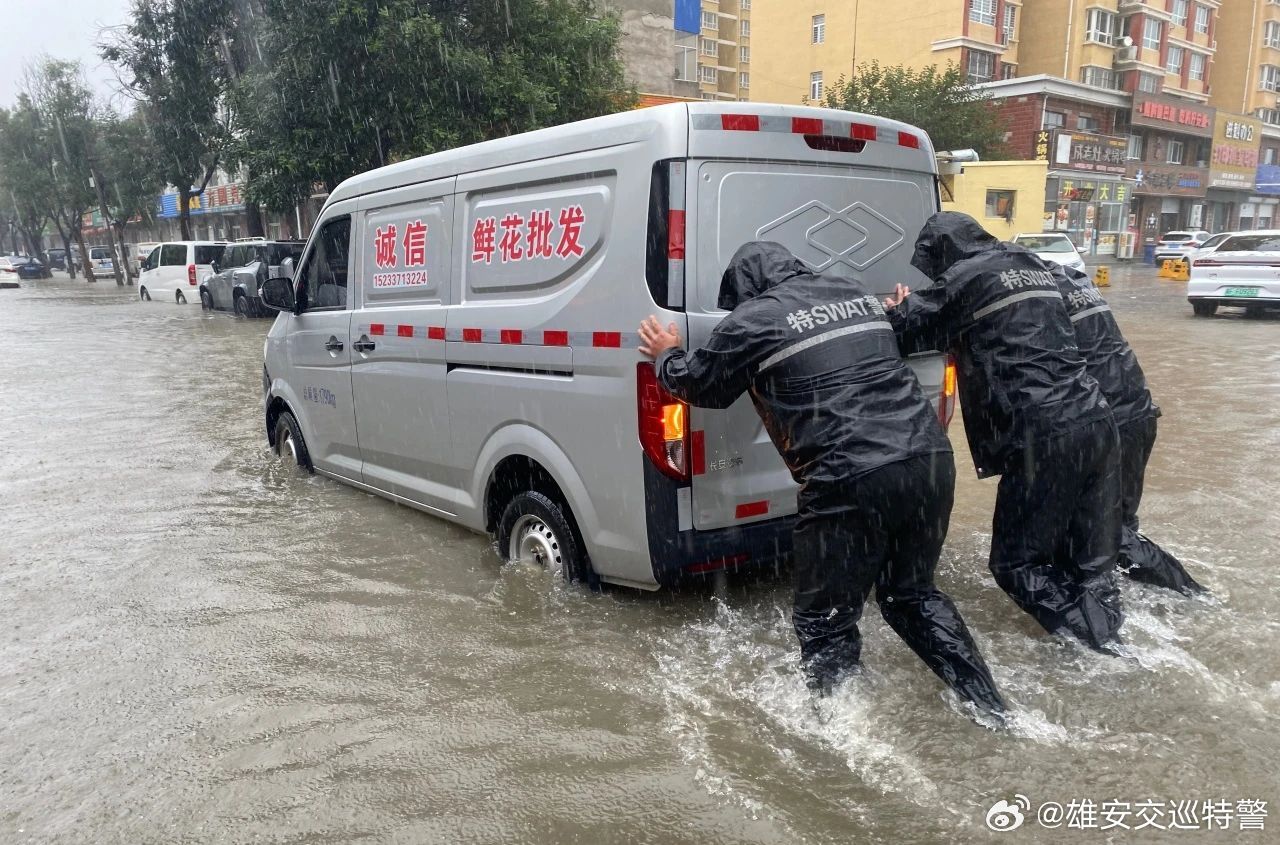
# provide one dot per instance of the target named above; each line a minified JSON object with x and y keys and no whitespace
{"x":199,"y":645}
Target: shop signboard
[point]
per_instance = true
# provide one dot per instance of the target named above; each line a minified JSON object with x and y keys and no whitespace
{"x":1233,"y":162}
{"x":1089,"y":152}
{"x":1168,"y":179}
{"x":1159,"y":111}
{"x":1267,"y":178}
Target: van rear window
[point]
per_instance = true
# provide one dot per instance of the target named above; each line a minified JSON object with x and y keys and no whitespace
{"x":656,"y":269}
{"x":209,"y":253}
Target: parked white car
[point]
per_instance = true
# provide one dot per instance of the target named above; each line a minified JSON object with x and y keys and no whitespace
{"x":1176,"y":245}
{"x":1244,"y":271}
{"x":1208,"y":246}
{"x":1052,"y":246}
{"x":172,"y":271}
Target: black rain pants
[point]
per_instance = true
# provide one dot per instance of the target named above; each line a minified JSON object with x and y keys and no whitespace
{"x":1056,"y":532}
{"x":885,"y":530}
{"x":1140,"y":558}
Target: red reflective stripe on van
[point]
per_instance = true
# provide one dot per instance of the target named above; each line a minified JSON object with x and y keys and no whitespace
{"x":906,"y":139}
{"x":862,"y":132}
{"x":609,"y":340}
{"x":511,"y":336}
{"x":750,"y":509}
{"x":806,"y":125}
{"x":675,"y":234}
{"x":555,"y":338}
{"x":698,"y":452}
{"x":376,"y":328}
{"x":435,"y":332}
{"x":404,"y":331}
{"x":740,"y":122}
{"x":472,"y":335}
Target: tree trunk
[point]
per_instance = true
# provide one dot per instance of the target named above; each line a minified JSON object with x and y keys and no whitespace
{"x":84,"y":253}
{"x":117,"y":255}
{"x":184,"y":213}
{"x":128,"y":262}
{"x":66,"y":246}
{"x":253,"y":218}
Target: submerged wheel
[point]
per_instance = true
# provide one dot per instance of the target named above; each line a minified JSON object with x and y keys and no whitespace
{"x":241,"y":307}
{"x":206,"y":301}
{"x":289,"y":445}
{"x":1204,"y":309}
{"x":179,"y":298}
{"x":143,"y":295}
{"x":539,"y":530}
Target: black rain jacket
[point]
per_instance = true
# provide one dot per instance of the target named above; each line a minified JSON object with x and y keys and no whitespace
{"x":821,"y":363}
{"x":997,"y":308}
{"x":1106,"y":353}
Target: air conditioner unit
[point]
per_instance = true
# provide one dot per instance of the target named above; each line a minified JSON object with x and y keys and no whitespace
{"x":1126,"y":54}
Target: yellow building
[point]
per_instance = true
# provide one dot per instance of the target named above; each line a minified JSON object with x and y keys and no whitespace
{"x":803,"y":46}
{"x":1250,"y":83}
{"x":724,"y":50}
{"x":1006,"y":197}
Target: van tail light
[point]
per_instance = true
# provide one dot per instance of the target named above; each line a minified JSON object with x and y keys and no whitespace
{"x":947,"y":395}
{"x":191,"y":275}
{"x":664,"y":425}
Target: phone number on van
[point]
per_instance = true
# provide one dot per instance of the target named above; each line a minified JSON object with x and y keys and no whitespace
{"x":404,"y":279}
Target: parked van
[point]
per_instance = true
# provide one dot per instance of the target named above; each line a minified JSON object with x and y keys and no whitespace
{"x":460,"y":332}
{"x":172,"y":270}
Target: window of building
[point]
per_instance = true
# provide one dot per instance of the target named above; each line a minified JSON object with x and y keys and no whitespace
{"x":983,"y":11}
{"x":815,"y":85}
{"x":1268,"y":116}
{"x":1135,"y":147}
{"x":1053,"y":120}
{"x":1101,"y":26}
{"x":707,"y":74}
{"x":982,"y":66}
{"x":1148,"y":83}
{"x":709,"y":47}
{"x":1175,"y":152}
{"x":1180,"y":11}
{"x":1202,"y":20}
{"x":744,"y":55}
{"x":819,"y":28}
{"x":1010,"y":21}
{"x":1173,"y":61}
{"x":744,"y":28}
{"x":1270,"y":78}
{"x":710,"y":20}
{"x":744,"y":80}
{"x":1152,"y":30}
{"x":1000,"y":203}
{"x":1099,"y":77}
{"x":1008,"y":71}
{"x":1269,"y":155}
{"x":1087,"y":123}
{"x":1271,"y":34}
{"x":1198,"y":62}
{"x":686,"y":62}
{"x":745,"y":5}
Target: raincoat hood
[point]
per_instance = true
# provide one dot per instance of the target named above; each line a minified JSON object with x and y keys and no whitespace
{"x":947,"y":238}
{"x":754,"y":268}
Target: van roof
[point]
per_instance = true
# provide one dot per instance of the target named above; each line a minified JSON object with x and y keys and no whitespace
{"x":624,"y":127}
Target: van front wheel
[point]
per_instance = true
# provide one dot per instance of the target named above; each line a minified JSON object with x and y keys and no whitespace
{"x":289,"y":445}
{"x":537,"y":529}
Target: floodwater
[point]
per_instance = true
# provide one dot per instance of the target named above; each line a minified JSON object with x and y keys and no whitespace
{"x":198,"y":645}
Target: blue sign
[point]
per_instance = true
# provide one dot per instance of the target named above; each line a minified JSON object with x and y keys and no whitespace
{"x":1268,"y":179}
{"x":689,"y":16}
{"x":167,"y":207}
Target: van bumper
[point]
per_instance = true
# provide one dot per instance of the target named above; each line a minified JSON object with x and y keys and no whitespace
{"x":679,"y":556}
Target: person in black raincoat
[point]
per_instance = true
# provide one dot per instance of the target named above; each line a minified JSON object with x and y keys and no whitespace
{"x":1032,"y":415}
{"x":875,"y":469}
{"x":1111,"y":362}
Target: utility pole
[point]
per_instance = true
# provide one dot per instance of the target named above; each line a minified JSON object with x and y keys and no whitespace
{"x":95,"y":181}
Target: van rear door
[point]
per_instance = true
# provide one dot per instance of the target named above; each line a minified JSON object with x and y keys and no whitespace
{"x":856,"y":213}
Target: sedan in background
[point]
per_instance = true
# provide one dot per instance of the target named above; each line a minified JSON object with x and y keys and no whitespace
{"x":1209,"y":246}
{"x":23,"y":267}
{"x":1244,"y":271}
{"x":1174,"y":246}
{"x":1053,"y":247}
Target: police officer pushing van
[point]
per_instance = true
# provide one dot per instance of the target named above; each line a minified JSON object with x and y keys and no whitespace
{"x":1032,"y":415}
{"x":821,"y":364}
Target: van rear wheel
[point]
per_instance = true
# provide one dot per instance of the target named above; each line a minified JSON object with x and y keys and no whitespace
{"x":539,"y":530}
{"x":289,"y":445}
{"x":143,"y":295}
{"x":179,"y":298}
{"x":1204,"y":309}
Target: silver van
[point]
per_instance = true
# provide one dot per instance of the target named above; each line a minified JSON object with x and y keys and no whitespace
{"x":459,"y":334}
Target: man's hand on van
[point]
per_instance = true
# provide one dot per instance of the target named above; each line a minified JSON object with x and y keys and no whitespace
{"x":654,"y":339}
{"x":900,"y":293}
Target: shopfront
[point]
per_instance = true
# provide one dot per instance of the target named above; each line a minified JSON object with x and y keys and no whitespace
{"x":1171,"y":175}
{"x":1233,"y":168}
{"x":1260,"y":210}
{"x":1086,"y":196}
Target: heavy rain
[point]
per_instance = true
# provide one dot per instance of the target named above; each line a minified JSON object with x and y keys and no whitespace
{"x":555,"y":600}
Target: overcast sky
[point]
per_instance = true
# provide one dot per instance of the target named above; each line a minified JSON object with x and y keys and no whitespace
{"x":65,"y":29}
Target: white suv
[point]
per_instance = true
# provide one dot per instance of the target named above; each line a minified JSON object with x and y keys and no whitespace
{"x":1178,"y":245}
{"x":173,"y":270}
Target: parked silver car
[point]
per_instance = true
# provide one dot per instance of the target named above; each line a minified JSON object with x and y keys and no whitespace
{"x":239,"y":273}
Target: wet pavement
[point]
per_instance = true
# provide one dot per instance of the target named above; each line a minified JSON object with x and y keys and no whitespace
{"x":198,"y":645}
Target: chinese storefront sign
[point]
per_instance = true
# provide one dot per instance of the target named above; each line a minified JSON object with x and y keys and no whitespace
{"x":1091,"y":190}
{"x":1163,"y":112}
{"x":1086,"y":151}
{"x":1168,"y":180}
{"x":1041,"y":150}
{"x":389,"y":246}
{"x":1234,"y":160}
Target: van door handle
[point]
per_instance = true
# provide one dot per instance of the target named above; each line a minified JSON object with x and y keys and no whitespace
{"x":364,"y":344}
{"x":333,"y":344}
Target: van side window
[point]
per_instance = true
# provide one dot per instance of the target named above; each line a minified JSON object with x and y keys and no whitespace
{"x":322,"y":280}
{"x":173,"y":255}
{"x":153,"y":259}
{"x":656,"y":270}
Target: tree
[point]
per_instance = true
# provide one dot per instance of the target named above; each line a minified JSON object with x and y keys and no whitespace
{"x":171,"y":53}
{"x":427,"y":76}
{"x":941,"y":102}
{"x":126,"y":161}
{"x":26,"y":173}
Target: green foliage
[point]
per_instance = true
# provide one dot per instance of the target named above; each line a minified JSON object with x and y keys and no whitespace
{"x":348,"y":85}
{"x":940,"y":101}
{"x":127,"y":162}
{"x":26,"y":169}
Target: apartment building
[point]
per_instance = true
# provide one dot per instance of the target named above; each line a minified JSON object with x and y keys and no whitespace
{"x":803,"y":46}
{"x":718,"y":59}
